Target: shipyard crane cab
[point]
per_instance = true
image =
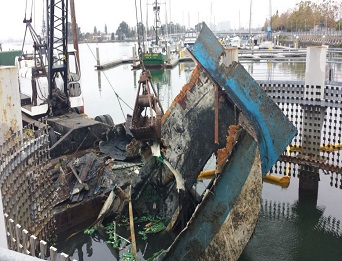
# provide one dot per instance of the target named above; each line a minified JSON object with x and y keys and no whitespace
{"x":49,"y":77}
{"x":49,"y":82}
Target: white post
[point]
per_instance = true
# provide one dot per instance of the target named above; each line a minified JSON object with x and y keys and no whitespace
{"x":97,"y":56}
{"x":313,"y":91}
{"x":168,"y":54}
{"x":134,"y":55}
{"x":315,"y":72}
{"x":231,"y":55}
{"x":10,"y":108}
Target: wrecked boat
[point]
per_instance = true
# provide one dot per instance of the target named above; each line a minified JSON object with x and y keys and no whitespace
{"x":220,"y":113}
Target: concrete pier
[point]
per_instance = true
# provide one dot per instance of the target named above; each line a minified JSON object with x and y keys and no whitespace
{"x":10,"y":121}
{"x":10,"y":111}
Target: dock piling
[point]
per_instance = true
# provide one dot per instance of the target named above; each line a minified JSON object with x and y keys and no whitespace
{"x":97,"y":56}
{"x":231,"y":55}
{"x":134,"y":50}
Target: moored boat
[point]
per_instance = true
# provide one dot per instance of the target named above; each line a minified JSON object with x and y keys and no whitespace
{"x":236,"y":42}
{"x":266,"y":45}
{"x":156,"y":55}
{"x":190,"y":38}
{"x":7,"y":58}
{"x":155,"y":58}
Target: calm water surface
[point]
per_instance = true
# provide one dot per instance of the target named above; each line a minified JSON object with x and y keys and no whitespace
{"x":287,"y":229}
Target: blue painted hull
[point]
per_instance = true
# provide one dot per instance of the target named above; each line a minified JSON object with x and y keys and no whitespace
{"x":274,"y":131}
{"x":217,"y":206}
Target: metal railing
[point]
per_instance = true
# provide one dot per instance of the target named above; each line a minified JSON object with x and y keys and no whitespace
{"x":21,"y":241}
{"x":26,"y":189}
{"x":318,"y":121}
{"x":23,"y":179}
{"x":264,"y":67}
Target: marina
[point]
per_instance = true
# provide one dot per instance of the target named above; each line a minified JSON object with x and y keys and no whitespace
{"x":104,"y":92}
{"x":222,"y":153}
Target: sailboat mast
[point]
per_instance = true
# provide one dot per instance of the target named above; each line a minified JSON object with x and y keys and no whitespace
{"x":270,"y":22}
{"x":211,"y":14}
{"x":166,"y":23}
{"x":170,"y":10}
{"x":250,"y":24}
{"x":146,"y":31}
{"x":270,"y":12}
{"x":156,"y":9}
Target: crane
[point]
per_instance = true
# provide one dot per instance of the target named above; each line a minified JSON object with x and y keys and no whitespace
{"x":49,"y":77}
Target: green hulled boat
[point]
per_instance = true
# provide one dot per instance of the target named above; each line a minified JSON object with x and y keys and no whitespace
{"x":156,"y":55}
{"x":7,"y":58}
{"x":154,"y":59}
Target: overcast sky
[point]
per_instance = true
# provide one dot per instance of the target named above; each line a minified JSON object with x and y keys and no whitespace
{"x":100,"y":12}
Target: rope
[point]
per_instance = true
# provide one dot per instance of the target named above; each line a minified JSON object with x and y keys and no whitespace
{"x":31,"y":10}
{"x":117,"y":96}
{"x":22,"y":47}
{"x":25,"y":10}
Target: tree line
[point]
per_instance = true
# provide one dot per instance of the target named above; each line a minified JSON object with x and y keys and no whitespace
{"x":124,"y":31}
{"x":308,"y":15}
{"x":305,"y":16}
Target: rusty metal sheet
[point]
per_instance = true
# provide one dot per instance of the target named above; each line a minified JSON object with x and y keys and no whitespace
{"x":274,"y":131}
{"x":188,"y":127}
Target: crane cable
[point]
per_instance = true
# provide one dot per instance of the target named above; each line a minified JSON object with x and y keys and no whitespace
{"x":25,"y":21}
{"x":116,"y":94}
{"x":26,"y":10}
{"x":139,"y":47}
{"x":31,"y":10}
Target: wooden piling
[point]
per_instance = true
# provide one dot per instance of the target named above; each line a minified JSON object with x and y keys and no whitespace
{"x":97,"y":56}
{"x":131,"y":223}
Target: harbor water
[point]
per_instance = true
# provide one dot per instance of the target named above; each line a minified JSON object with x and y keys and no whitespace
{"x":289,"y":227}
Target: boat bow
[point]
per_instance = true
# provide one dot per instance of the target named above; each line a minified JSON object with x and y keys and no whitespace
{"x":274,"y":131}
